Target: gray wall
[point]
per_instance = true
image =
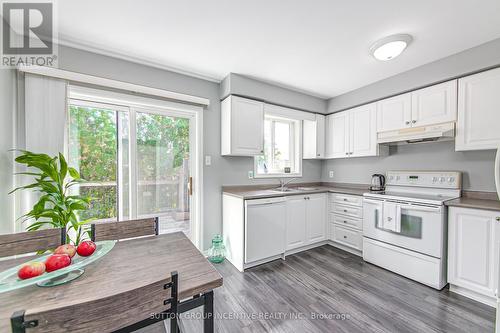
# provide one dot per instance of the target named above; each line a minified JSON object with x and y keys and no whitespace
{"x":477,"y":166}
{"x":242,"y":85}
{"x":224,"y":170}
{"x":474,"y":59}
{"x":7,"y":112}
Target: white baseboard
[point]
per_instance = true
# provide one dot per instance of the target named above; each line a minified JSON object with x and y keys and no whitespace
{"x":305,"y":248}
{"x":346,"y":248}
{"x":491,"y":301}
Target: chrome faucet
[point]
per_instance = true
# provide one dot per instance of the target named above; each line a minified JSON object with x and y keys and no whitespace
{"x":283,"y":183}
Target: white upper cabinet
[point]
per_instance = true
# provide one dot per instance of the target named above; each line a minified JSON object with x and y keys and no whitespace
{"x":352,"y":133}
{"x":428,"y":106}
{"x":363,"y":131}
{"x":242,"y":126}
{"x":314,"y":138}
{"x":479,"y":111}
{"x":394,"y":113}
{"x":434,"y":105}
{"x":337,"y":137}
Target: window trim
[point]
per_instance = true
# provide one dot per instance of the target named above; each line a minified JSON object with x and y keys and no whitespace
{"x":296,"y":150}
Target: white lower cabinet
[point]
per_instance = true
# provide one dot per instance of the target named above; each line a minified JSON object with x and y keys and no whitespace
{"x":473,"y":253}
{"x":346,"y":221}
{"x":346,"y":236}
{"x":306,"y":220}
{"x":295,"y":222}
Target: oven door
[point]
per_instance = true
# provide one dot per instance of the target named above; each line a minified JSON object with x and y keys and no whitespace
{"x":423,"y":227}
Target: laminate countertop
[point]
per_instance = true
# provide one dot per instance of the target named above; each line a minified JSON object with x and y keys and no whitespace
{"x":247,"y":193}
{"x":474,"y":203}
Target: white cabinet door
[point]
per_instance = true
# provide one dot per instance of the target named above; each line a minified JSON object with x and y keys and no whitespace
{"x":394,"y":113}
{"x":313,"y":138}
{"x":363,"y":131}
{"x":316,"y":217}
{"x":296,"y":222}
{"x":473,"y":249}
{"x":478,"y":111}
{"x":337,"y":144}
{"x":320,"y":136}
{"x":242,"y":126}
{"x":434,"y":105}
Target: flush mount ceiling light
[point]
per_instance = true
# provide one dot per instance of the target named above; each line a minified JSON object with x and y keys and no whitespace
{"x":390,"y":47}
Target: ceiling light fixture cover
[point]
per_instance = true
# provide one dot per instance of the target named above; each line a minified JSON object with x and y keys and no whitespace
{"x":390,"y":47}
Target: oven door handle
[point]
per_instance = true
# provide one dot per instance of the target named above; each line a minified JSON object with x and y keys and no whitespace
{"x":421,"y":208}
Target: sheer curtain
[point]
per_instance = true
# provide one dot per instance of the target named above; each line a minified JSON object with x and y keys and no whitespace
{"x":41,"y":126}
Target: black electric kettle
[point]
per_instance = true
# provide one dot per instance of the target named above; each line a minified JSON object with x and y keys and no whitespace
{"x":378,"y":183}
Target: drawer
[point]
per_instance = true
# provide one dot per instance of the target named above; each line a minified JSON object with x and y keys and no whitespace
{"x":346,"y":199}
{"x":346,"y":236}
{"x":356,"y":212}
{"x":346,"y":221}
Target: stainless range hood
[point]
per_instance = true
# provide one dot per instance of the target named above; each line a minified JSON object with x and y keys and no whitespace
{"x":441,"y":132}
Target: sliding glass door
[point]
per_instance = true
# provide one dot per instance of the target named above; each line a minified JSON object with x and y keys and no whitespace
{"x":163,"y":164}
{"x":137,"y":162}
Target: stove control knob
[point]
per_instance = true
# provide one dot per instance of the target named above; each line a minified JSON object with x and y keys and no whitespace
{"x":451,"y":179}
{"x":398,"y":178}
{"x":434,"y":179}
{"x":442,"y":180}
{"x":391,"y":177}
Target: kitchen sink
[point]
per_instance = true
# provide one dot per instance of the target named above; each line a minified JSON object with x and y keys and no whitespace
{"x":284,"y":190}
{"x":307,"y":188}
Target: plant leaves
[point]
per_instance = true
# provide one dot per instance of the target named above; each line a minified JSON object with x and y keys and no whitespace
{"x":73,"y":173}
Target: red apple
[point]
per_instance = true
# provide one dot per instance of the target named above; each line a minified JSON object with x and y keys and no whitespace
{"x":68,"y":249}
{"x":86,"y":248}
{"x":30,"y":270}
{"x":57,"y":261}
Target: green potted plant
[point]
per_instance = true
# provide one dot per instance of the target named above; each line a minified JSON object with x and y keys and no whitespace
{"x":57,"y":207}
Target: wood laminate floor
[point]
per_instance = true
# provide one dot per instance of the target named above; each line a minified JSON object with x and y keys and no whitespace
{"x":353,"y":296}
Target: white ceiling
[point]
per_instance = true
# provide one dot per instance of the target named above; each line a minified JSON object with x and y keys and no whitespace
{"x":315,"y":46}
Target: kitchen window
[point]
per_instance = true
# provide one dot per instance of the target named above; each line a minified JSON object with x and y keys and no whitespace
{"x":281,"y":156}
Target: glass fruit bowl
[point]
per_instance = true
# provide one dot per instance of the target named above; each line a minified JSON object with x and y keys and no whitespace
{"x":10,"y":281}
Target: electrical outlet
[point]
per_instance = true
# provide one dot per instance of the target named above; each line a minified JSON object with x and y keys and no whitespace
{"x":208,"y":160}
{"x":250,"y":174}
{"x":330,"y":174}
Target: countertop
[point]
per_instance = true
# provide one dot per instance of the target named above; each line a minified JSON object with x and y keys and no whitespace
{"x":475,"y":203}
{"x":259,"y":193}
{"x":475,"y":200}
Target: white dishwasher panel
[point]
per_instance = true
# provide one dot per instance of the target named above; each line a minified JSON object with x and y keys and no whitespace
{"x":265,"y":222}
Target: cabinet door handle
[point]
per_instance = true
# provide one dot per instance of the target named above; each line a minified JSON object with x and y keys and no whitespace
{"x":347,"y":153}
{"x":413,"y":121}
{"x":345,"y":199}
{"x":407,"y":122}
{"x":498,"y":219}
{"x":345,"y":237}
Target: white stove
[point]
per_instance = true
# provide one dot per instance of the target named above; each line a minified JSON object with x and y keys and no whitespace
{"x":405,"y":227}
{"x":428,"y":187}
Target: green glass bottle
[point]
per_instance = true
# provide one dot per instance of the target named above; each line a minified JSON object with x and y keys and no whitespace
{"x":217,"y":252}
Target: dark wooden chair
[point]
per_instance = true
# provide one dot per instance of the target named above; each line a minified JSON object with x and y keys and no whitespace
{"x":109,"y":314}
{"x":124,"y":229}
{"x":31,"y":241}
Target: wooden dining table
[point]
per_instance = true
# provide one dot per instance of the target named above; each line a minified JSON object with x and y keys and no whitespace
{"x":136,"y":269}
